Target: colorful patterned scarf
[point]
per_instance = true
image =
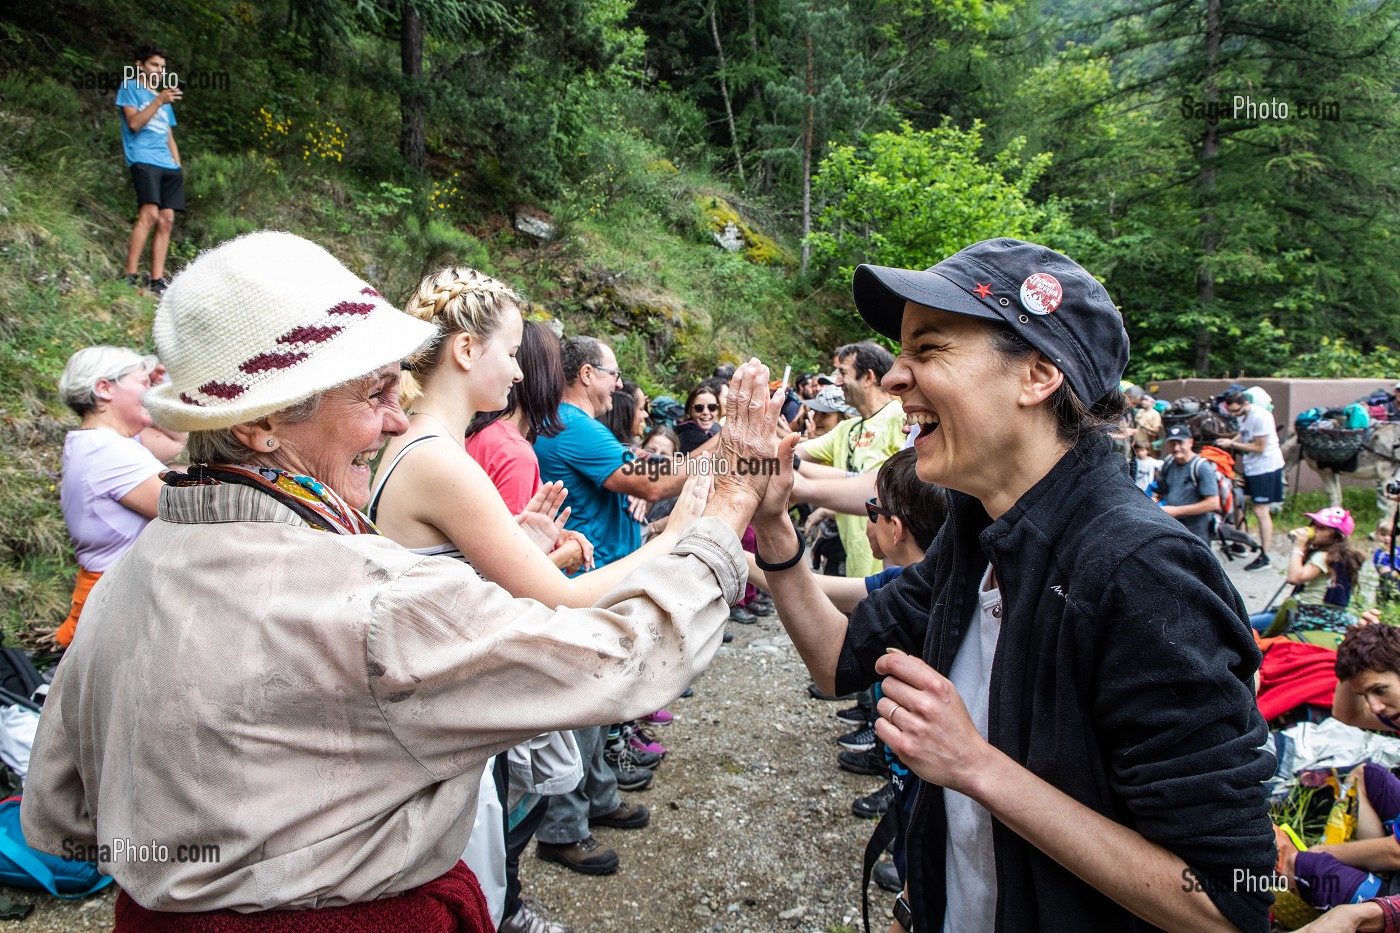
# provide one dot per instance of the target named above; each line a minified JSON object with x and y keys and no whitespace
{"x":313,"y":501}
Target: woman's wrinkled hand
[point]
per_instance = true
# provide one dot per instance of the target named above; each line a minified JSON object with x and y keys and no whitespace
{"x":748,"y":461}
{"x":542,"y":519}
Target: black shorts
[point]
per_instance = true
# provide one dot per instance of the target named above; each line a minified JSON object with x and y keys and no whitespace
{"x":1264,"y":488}
{"x":163,"y":187}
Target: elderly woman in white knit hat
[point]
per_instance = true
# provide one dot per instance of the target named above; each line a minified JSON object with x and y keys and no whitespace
{"x":272,"y":709}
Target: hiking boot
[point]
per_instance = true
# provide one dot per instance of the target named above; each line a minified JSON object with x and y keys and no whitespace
{"x":874,"y":805}
{"x":644,"y":746}
{"x":761,"y":605}
{"x":866,"y":762}
{"x":158,"y":286}
{"x":630,"y":775}
{"x":528,"y":920}
{"x":588,"y":856}
{"x":856,"y":715}
{"x":659,"y":718}
{"x":742,"y":616}
{"x":626,"y":816}
{"x":859,"y":740}
{"x":1259,"y":563}
{"x":884,"y":873}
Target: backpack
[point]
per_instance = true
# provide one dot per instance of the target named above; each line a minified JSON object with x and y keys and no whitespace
{"x":23,"y":867}
{"x":20,"y":681}
{"x":1224,"y":475}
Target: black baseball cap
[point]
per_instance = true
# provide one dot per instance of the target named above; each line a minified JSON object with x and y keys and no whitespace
{"x":1177,"y":432}
{"x":1046,"y":298}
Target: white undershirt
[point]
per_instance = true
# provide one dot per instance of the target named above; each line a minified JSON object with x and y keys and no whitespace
{"x":970,"y":871}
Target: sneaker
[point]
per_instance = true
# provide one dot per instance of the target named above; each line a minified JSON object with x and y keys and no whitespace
{"x":1259,"y":563}
{"x":873,"y":806}
{"x":690,"y":691}
{"x":884,"y":873}
{"x":742,"y":616}
{"x":137,"y":279}
{"x":158,"y":286}
{"x":588,"y":856}
{"x":866,"y":762}
{"x":643,"y":745}
{"x":527,"y":920}
{"x":623,"y":762}
{"x":860,"y":740}
{"x":856,"y":715}
{"x":659,"y":718}
{"x":626,"y":816}
{"x":816,"y":693}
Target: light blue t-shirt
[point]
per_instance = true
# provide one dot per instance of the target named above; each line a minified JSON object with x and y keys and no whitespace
{"x":151,"y":146}
{"x":583,"y":456}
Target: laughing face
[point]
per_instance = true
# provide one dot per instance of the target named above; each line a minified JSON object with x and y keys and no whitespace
{"x":1380,"y":690}
{"x":335,"y":444}
{"x":957,"y":388}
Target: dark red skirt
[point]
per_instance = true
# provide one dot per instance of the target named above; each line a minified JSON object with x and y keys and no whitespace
{"x":452,"y":903}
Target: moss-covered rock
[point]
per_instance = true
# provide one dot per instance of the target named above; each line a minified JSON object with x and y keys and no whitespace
{"x":724,"y":221}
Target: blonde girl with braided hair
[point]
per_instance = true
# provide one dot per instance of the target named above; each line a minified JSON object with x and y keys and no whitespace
{"x":430,"y":495}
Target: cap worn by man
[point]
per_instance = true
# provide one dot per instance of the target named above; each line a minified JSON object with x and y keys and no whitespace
{"x":830,"y":399}
{"x":1044,"y":297}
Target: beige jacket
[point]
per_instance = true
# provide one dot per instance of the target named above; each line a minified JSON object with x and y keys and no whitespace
{"x":320,"y":706}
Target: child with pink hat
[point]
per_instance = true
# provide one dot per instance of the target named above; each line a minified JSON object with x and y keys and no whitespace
{"x":1323,"y":568}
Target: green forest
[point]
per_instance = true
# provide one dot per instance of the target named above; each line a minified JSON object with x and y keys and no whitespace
{"x":694,"y":181}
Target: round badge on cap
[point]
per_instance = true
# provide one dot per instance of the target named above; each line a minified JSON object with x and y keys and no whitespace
{"x":1041,"y":293}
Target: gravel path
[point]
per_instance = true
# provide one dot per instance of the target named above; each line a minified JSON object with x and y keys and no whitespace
{"x":751,"y":826}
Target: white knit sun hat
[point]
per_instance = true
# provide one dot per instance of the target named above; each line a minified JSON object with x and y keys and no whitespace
{"x":263,"y":322}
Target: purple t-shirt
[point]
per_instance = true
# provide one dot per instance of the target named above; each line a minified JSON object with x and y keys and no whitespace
{"x":99,"y":468}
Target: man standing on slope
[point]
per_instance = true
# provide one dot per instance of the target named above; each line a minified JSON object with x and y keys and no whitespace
{"x":154,"y":160}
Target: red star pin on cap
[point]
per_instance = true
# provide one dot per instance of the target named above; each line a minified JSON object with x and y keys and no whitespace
{"x":983,"y":291}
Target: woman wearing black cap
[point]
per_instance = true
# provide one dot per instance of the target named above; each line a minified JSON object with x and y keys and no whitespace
{"x":1069,"y":669}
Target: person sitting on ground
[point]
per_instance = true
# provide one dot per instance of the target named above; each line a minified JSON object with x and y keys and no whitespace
{"x":111,"y":481}
{"x":312,"y":698}
{"x":1063,"y":791}
{"x":1324,"y":567}
{"x":1188,"y":486}
{"x":1368,"y":697}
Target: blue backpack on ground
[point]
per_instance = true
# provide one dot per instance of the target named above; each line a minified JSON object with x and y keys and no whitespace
{"x":23,"y":867}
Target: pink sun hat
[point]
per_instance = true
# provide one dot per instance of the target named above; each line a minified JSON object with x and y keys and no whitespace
{"x":1337,"y":518}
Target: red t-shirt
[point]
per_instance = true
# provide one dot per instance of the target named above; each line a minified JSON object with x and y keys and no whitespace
{"x":509,"y":460}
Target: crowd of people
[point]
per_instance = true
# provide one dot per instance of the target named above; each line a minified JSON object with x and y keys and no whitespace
{"x":428,"y":581}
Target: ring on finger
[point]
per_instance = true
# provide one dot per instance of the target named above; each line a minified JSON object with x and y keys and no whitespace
{"x":893,"y":709}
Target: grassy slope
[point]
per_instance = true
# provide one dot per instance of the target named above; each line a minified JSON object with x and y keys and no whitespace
{"x":670,"y":301}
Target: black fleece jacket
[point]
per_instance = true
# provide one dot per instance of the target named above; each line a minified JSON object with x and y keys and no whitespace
{"x":1122,"y":677}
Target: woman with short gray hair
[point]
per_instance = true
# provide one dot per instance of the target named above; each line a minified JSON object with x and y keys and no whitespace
{"x":110,"y":480}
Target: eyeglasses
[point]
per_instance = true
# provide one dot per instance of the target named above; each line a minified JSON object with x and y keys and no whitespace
{"x":1234,"y":409}
{"x":698,"y":407}
{"x":874,"y":510}
{"x":616,"y":373}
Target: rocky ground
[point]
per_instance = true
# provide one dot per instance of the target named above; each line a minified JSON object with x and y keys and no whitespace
{"x":751,"y":826}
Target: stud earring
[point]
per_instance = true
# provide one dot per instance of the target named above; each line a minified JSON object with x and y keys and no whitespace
{"x":271,"y":442}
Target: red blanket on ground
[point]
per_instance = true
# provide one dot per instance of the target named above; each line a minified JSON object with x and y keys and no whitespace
{"x":452,"y":903}
{"x":1294,"y":673}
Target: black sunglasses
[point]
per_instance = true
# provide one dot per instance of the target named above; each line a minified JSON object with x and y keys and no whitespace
{"x":874,"y":510}
{"x":698,"y":407}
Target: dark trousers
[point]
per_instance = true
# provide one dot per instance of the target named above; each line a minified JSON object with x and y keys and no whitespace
{"x":516,"y":841}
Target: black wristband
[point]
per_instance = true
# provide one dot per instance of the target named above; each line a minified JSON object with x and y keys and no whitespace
{"x":790,"y":562}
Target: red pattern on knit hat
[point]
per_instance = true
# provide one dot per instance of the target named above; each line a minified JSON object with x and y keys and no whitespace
{"x":309,"y":333}
{"x":351,"y":307}
{"x":265,"y":361}
{"x":222,"y":390}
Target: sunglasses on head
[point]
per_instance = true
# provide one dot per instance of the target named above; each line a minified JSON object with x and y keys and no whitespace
{"x":873,"y":509}
{"x":700,"y":407}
